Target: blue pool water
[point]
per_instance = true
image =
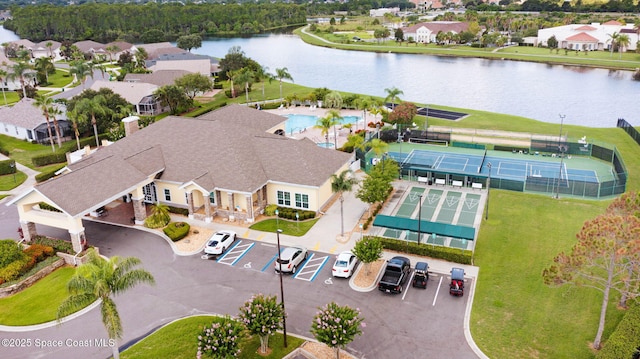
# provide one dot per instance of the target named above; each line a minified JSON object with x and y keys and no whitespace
{"x":296,"y":123}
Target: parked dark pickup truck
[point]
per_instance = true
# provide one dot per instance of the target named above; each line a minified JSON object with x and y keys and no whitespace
{"x":397,"y":272}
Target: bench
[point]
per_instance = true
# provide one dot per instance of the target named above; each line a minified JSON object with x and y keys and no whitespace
{"x":423,"y":179}
{"x":476,"y":185}
{"x":456,"y":183}
{"x":440,"y":181}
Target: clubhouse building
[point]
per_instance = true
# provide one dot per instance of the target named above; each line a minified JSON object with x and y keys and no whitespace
{"x":230,"y":163}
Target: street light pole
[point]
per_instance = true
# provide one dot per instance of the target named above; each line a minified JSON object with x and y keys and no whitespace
{"x":277,"y":220}
{"x":284,"y":315}
{"x":14,"y":170}
{"x":486,"y":212}
{"x":419,"y":216}
{"x":361,"y":231}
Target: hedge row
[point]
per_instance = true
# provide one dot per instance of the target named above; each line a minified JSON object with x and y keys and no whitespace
{"x":43,"y":176}
{"x":177,"y":230}
{"x":290,"y":213}
{"x":49,"y":159}
{"x":462,"y":256}
{"x":30,"y":256}
{"x":4,"y":151}
{"x":58,"y":245}
{"x":625,"y":340}
{"x":8,"y":167}
{"x":178,"y":210}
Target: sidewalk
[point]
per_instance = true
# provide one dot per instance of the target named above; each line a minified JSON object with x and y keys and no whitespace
{"x":28,"y":183}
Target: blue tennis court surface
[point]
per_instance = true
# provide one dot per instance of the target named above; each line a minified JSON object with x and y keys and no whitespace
{"x":511,"y":169}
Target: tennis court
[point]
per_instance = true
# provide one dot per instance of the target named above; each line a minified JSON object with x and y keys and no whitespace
{"x":522,"y":169}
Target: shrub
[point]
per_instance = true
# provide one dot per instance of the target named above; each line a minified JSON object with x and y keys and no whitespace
{"x":4,"y":151}
{"x":290,"y":213}
{"x":58,"y":245}
{"x":177,"y":230}
{"x":39,"y":251}
{"x":16,"y":268}
{"x":623,"y":341}
{"x":178,"y":210}
{"x":7,"y":167}
{"x":456,"y":255}
{"x":221,"y":340}
{"x":41,"y":177}
{"x":48,"y":159}
{"x":10,"y":251}
{"x":270,"y":210}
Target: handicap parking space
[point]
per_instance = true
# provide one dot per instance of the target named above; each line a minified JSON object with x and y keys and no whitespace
{"x":258,"y":256}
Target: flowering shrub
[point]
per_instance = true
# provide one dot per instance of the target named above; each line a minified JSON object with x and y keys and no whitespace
{"x":262,"y":316}
{"x":221,"y":341}
{"x":337,"y":326}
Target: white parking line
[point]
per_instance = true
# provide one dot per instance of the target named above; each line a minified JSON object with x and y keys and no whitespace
{"x":437,"y":291}
{"x":407,"y":284}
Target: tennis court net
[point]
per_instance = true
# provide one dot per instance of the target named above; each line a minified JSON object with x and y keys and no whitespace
{"x":484,"y":157}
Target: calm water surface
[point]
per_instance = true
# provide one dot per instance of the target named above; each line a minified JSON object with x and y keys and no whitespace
{"x":590,"y":97}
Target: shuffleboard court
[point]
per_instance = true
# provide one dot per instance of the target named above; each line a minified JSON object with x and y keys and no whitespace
{"x":449,"y":207}
{"x":469,"y":209}
{"x":430,"y":203}
{"x":410,"y":202}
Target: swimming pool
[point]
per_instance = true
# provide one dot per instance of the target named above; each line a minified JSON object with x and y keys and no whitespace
{"x":296,"y":123}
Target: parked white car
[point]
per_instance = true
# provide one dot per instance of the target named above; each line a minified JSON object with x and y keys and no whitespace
{"x":219,"y":242}
{"x":345,"y":265}
{"x":290,"y":259}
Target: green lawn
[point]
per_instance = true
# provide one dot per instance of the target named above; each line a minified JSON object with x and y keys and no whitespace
{"x":180,"y":340}
{"x":9,"y":182}
{"x":23,"y":151}
{"x":38,"y":303}
{"x":60,"y":78}
{"x":628,"y":60}
{"x":288,"y":227}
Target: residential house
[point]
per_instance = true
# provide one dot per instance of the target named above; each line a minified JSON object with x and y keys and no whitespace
{"x":27,"y":122}
{"x":159,"y":78}
{"x":48,"y":48}
{"x":120,"y":47}
{"x":591,"y":37}
{"x":426,"y":32}
{"x":205,"y":65}
{"x":139,"y":94}
{"x":157,"y":49}
{"x":228,"y":163}
{"x":92,"y":48}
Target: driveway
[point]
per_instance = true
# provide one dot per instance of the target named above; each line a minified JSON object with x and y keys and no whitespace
{"x":396,"y":327}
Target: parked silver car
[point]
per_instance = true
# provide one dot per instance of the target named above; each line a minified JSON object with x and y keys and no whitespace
{"x":290,"y":259}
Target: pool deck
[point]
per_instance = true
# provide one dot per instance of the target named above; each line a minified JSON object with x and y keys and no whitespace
{"x":315,"y":134}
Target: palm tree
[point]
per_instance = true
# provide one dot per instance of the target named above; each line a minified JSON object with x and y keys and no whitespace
{"x":283,"y":73}
{"x":49,"y":46}
{"x":378,"y":146}
{"x":53,"y":113}
{"x":102,"y":279}
{"x":76,"y":117}
{"x":325,"y":123}
{"x":613,"y":39}
{"x":44,"y":103}
{"x":45,"y":66}
{"x":21,"y":71}
{"x":94,"y":106}
{"x":363,"y":104}
{"x":112,"y":49}
{"x":341,"y":183}
{"x":3,"y":78}
{"x":623,"y":43}
{"x":392,"y":94}
{"x":246,"y":76}
{"x":81,"y":70}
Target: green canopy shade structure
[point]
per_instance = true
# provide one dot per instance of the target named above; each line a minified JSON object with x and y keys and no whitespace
{"x":441,"y":229}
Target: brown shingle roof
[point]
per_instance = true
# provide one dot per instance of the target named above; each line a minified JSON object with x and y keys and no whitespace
{"x":23,"y":114}
{"x":90,"y":46}
{"x":227,"y":149}
{"x":158,"y":78}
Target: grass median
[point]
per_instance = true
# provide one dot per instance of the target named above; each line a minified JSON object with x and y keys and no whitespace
{"x":180,"y":340}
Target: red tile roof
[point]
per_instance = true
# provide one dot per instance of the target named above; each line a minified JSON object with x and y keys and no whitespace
{"x":582,"y":37}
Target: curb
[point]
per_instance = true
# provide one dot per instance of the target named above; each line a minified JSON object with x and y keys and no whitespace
{"x":29,"y":328}
{"x":369,"y":288}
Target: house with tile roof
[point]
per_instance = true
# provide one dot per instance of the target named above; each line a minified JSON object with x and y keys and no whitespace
{"x":26,"y":122}
{"x":426,"y":32}
{"x":230,"y":163}
{"x":592,"y":37}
